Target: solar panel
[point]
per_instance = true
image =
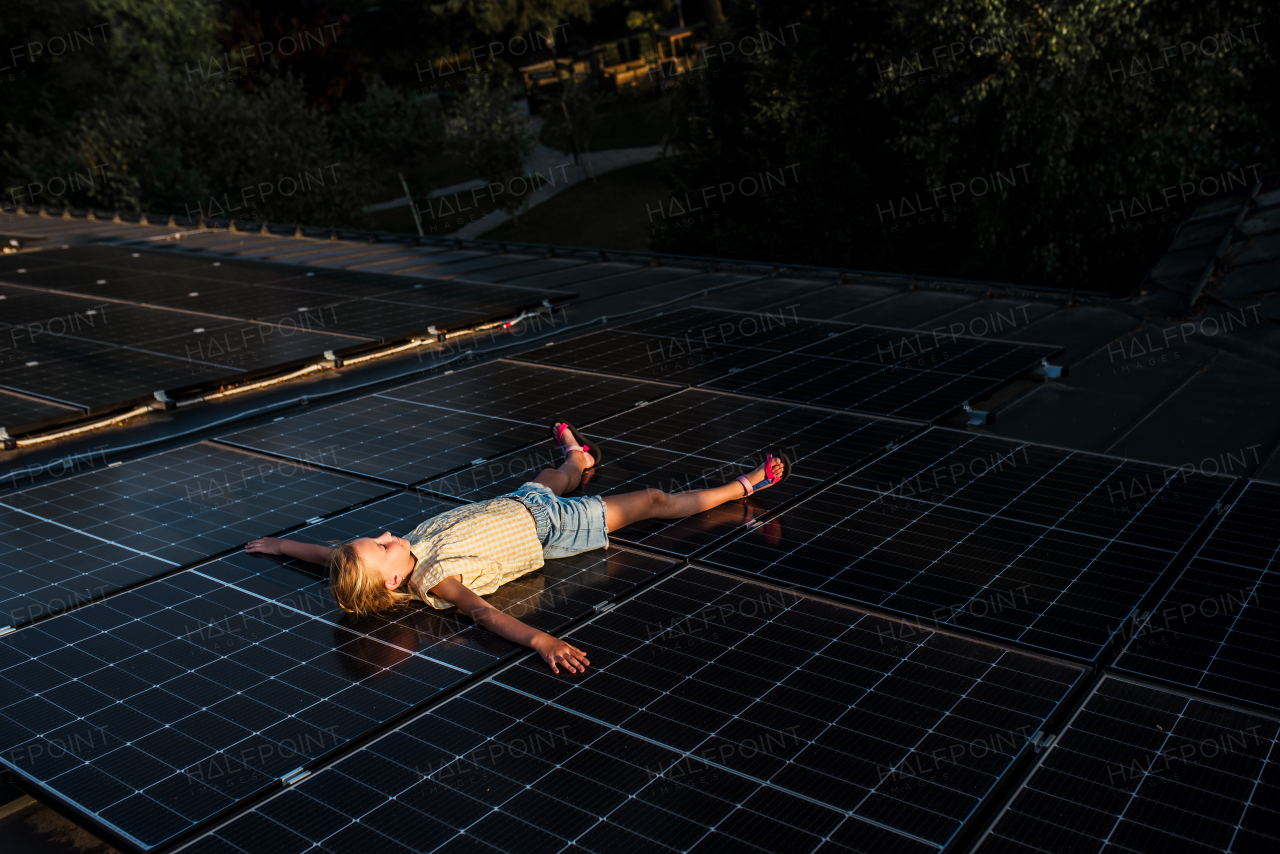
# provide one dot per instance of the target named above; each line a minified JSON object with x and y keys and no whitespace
{"x":25,"y":261}
{"x":71,"y":277}
{"x":694,"y":439}
{"x":1047,"y":547}
{"x":562,"y":590}
{"x":204,"y":688}
{"x":572,"y":276}
{"x":446,"y":421}
{"x":137,"y":299}
{"x":644,"y":357}
{"x":84,"y":535}
{"x":376,"y":319}
{"x":165,"y":289}
{"x":109,"y":378}
{"x":775,"y":354}
{"x":937,"y":351}
{"x":902,"y":392}
{"x":56,"y":314}
{"x":1144,"y":769}
{"x":716,"y":715}
{"x":779,"y":330}
{"x":17,"y":410}
{"x":472,"y":297}
{"x":1215,"y":630}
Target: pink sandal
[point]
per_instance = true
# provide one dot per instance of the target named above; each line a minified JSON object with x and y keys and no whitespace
{"x":767,"y":482}
{"x":577,"y":446}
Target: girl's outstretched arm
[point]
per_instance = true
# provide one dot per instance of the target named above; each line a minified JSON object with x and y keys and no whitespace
{"x":310,"y":552}
{"x":554,"y":651}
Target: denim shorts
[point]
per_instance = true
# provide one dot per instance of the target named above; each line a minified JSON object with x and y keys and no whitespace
{"x":566,"y":526}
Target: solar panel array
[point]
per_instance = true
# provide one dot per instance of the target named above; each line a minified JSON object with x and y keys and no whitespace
{"x":695,"y":439}
{"x":1047,"y":547}
{"x":870,"y":369}
{"x":1144,"y":769}
{"x":446,"y":421}
{"x":717,"y":715}
{"x":172,"y":701}
{"x":81,"y":536}
{"x":100,"y":327}
{"x":1215,"y":631}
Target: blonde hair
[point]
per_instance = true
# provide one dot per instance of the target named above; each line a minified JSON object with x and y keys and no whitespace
{"x":354,"y":588}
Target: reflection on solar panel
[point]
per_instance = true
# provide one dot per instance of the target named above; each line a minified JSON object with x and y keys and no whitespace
{"x":692,"y":440}
{"x":196,"y":691}
{"x":717,"y":715}
{"x":1143,"y":769}
{"x":446,"y":421}
{"x":184,"y":321}
{"x":1048,"y":547}
{"x":78,"y":537}
{"x":190,"y":695}
{"x":1216,"y":629}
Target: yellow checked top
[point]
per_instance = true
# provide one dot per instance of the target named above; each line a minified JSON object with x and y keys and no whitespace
{"x":487,"y":544}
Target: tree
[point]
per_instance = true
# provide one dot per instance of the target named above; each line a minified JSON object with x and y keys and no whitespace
{"x":495,"y":138}
{"x":846,"y":91}
{"x":572,"y":116}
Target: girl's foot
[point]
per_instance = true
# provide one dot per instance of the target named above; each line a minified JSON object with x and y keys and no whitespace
{"x":565,"y":436}
{"x":762,"y":478}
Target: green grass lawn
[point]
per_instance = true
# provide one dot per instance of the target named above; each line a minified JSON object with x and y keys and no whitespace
{"x":629,"y":125}
{"x":609,"y":214}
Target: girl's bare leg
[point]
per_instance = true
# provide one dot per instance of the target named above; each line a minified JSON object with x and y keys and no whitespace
{"x":569,"y":475}
{"x":629,"y":507}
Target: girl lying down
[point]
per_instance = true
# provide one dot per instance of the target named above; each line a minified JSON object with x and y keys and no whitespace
{"x":458,"y":556}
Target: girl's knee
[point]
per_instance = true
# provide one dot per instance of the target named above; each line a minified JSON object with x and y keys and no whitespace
{"x":658,"y":499}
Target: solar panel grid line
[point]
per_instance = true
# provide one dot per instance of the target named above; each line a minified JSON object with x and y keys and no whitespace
{"x":315,"y":464}
{"x":685,"y":756}
{"x":1270,"y":560}
{"x":302,"y":612}
{"x":682,"y":755}
{"x":13,"y":758}
{"x":600,"y":820}
{"x":101,"y":504}
{"x":277,"y":608}
{"x":1231,"y":652}
{"x":431,"y":427}
{"x":691,"y":439}
{"x":83,"y":533}
{"x":1113,"y":540}
{"x":1091,"y":740}
{"x":866,"y":401}
{"x":668,"y":579}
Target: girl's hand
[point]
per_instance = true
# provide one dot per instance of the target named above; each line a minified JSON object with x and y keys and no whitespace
{"x":556,"y":652}
{"x":263,"y":545}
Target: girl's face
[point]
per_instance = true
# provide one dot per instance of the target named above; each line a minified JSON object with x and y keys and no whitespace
{"x":387,"y":556}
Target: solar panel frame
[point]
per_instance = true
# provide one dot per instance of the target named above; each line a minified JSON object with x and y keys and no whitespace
{"x":922,"y":531}
{"x":1213,"y":632}
{"x":1106,"y":786}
